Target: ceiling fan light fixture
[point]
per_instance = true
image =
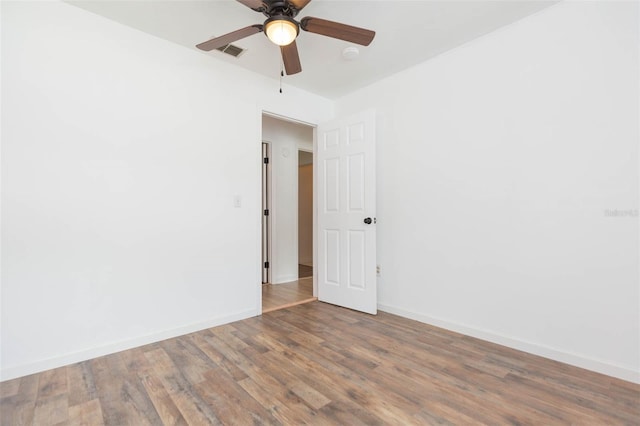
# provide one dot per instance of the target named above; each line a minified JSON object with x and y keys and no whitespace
{"x":281,"y":30}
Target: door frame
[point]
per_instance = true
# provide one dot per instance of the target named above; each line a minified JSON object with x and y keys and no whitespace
{"x":266,"y":219}
{"x":258,"y":263}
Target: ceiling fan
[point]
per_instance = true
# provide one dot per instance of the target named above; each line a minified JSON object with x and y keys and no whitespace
{"x":282,"y":29}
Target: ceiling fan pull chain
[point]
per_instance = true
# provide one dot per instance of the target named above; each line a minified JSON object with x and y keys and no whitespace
{"x":281,"y":75}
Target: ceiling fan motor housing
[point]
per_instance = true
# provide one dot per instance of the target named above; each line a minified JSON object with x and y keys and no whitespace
{"x":278,"y":7}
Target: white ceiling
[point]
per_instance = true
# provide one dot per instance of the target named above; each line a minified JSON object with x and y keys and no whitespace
{"x":407,"y":33}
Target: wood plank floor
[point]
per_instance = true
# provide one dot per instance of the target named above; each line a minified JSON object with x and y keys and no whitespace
{"x":319,"y":364}
{"x":279,"y":296}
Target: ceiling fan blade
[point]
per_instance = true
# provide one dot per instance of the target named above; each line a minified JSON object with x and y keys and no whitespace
{"x":299,"y":4}
{"x":253,"y":4}
{"x":223,"y":40}
{"x":291,"y":59}
{"x":337,"y":30}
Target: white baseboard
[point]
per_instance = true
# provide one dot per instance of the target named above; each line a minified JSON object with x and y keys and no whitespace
{"x":283,"y":279}
{"x":532,"y":348}
{"x":71,"y":358}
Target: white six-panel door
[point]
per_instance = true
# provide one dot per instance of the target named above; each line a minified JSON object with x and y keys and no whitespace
{"x":346,"y":198}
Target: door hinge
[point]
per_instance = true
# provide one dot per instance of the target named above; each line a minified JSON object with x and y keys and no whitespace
{"x":266,"y":212}
{"x":266,"y":160}
{"x":266,"y":264}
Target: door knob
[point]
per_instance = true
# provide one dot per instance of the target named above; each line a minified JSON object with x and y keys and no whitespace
{"x":368,"y":221}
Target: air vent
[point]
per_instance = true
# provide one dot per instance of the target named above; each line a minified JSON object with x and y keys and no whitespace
{"x":232,"y":50}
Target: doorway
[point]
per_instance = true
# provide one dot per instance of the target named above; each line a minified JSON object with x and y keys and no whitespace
{"x":344,"y":218}
{"x":287,"y":225}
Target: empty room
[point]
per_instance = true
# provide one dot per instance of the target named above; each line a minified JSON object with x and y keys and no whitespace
{"x":467,"y":251}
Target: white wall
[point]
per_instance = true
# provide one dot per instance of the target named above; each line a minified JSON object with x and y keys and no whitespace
{"x":122,"y":153}
{"x":496,"y":163}
{"x":121,"y":157}
{"x":285,"y":139}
